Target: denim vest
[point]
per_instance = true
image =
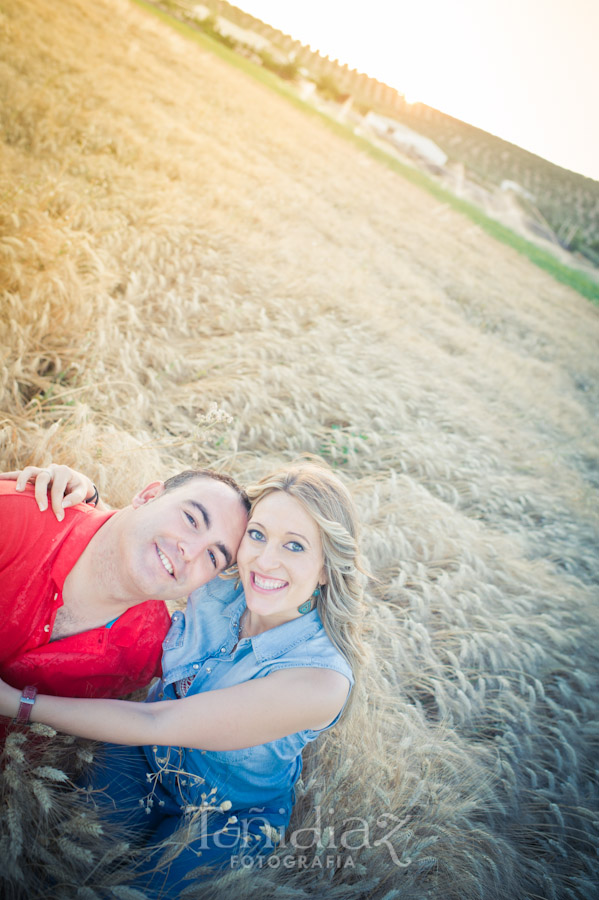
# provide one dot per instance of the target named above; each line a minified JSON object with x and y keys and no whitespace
{"x":202,"y":642}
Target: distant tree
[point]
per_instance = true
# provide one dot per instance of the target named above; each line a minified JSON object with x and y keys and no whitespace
{"x":209,"y":26}
{"x":329,"y":89}
{"x":287,"y":70}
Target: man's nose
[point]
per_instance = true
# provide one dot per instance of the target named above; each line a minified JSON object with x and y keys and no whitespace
{"x":192,"y":549}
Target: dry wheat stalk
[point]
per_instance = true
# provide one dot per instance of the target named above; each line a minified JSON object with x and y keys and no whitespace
{"x":174,"y":237}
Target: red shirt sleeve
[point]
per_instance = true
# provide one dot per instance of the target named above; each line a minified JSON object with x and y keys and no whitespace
{"x":101,"y":662}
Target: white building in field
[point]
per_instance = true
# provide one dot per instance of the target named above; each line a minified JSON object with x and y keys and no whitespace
{"x":405,"y":139}
{"x":229,"y":29}
{"x":515,"y":188}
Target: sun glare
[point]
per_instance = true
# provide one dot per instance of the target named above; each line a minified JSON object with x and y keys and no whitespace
{"x":491,"y":64}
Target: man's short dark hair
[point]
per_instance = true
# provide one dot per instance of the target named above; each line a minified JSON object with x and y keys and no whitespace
{"x":190,"y":474}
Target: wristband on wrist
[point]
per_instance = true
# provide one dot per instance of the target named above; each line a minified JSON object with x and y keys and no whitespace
{"x":93,"y":500}
{"x":25,"y":704}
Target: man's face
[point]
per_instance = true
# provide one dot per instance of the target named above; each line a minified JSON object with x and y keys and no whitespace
{"x":174,"y":541}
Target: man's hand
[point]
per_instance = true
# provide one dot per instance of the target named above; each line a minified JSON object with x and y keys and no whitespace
{"x":67,"y":487}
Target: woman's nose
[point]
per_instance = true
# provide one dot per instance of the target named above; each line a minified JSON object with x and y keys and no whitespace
{"x":268,"y":558}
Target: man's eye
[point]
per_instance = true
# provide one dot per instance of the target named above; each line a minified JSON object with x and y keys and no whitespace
{"x":190,"y":519}
{"x":213,"y":559}
{"x":255,"y":534}
{"x":295,"y":546}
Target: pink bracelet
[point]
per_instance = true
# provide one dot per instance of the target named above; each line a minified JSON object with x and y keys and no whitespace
{"x":27,"y":700}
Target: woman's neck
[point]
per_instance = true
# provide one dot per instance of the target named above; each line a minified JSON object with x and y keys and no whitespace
{"x":252,"y":624}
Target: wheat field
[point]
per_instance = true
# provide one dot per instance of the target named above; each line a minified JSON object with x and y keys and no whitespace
{"x":193,"y":272}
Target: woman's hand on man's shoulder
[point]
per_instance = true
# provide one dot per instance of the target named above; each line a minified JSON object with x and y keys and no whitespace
{"x":65,"y":486}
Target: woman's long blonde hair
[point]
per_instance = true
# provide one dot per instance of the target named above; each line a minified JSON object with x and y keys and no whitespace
{"x":326,"y":499}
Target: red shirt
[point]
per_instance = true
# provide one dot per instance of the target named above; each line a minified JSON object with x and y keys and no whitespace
{"x":36,"y":555}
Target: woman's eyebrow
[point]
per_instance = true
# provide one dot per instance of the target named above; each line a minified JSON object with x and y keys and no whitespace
{"x":252,"y":523}
{"x":297,"y":534}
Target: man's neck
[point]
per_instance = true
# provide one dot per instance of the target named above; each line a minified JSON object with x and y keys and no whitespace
{"x":93,"y":589}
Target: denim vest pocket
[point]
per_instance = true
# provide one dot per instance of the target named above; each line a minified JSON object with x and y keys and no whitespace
{"x":174,"y":636}
{"x":230,"y":757}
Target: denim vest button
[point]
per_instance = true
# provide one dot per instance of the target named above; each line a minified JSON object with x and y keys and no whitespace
{"x":196,"y":666}
{"x":223,"y":649}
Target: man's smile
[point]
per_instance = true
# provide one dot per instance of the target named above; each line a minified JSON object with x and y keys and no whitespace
{"x":166,"y":562}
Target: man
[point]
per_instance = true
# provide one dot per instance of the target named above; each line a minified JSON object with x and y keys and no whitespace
{"x":82,"y":600}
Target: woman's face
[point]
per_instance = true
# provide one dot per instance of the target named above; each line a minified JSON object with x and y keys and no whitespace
{"x":280,"y":559}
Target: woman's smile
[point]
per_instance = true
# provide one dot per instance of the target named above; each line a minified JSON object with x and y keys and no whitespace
{"x":267,"y":584}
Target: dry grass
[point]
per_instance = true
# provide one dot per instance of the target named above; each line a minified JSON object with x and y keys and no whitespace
{"x":173,"y":236}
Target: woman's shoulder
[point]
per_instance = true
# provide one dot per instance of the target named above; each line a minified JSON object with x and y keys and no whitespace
{"x":305,"y":644}
{"x":324,"y":654}
{"x":219,"y":590}
{"x":209,"y":606}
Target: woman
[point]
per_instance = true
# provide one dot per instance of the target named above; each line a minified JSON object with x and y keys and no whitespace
{"x":251,"y":673}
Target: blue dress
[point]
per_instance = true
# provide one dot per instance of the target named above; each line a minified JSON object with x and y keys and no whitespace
{"x":237,"y":803}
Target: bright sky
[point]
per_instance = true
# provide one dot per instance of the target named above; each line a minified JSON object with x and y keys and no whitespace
{"x":526,"y":70}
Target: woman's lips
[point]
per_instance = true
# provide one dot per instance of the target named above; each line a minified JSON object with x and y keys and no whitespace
{"x":267,"y":585}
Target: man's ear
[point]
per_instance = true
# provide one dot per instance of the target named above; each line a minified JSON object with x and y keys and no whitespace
{"x":150,"y":492}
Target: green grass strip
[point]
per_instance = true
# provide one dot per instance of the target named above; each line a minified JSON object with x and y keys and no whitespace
{"x":541,"y":258}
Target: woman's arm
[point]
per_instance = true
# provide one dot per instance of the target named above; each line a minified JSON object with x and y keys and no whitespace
{"x":247,"y":714}
{"x":67,"y":487}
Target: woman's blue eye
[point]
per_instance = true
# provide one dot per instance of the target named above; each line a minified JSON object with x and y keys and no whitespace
{"x":295,"y":546}
{"x":255,"y":534}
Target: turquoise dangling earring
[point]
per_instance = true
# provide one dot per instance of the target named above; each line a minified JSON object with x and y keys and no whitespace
{"x":306,"y":606}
